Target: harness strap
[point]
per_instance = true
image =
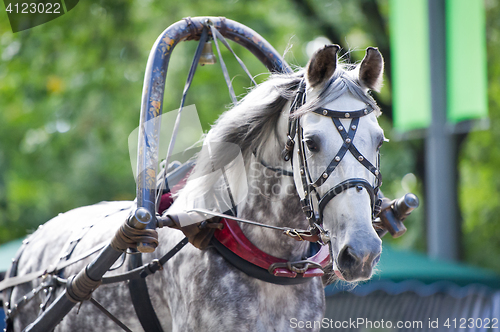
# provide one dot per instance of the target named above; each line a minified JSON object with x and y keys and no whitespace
{"x":346,"y":146}
{"x":140,"y":299}
{"x":343,"y":115}
{"x":218,"y":36}
{"x":235,"y":247}
{"x":139,"y":289}
{"x":109,"y":315}
{"x":350,"y":183}
{"x":146,"y":269}
{"x":14,"y":281}
{"x":223,"y":66}
{"x":354,"y":151}
{"x":277,"y":170}
{"x":71,"y":244}
{"x":296,"y":234}
{"x":292,"y":123}
{"x":296,"y":130}
{"x":305,"y":202}
{"x":347,"y":134}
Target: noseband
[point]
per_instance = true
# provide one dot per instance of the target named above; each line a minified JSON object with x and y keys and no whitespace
{"x":309,"y":186}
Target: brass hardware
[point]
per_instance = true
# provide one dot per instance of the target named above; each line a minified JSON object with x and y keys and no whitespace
{"x":207,"y":56}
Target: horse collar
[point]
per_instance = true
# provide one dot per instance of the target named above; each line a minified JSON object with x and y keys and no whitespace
{"x":235,"y":247}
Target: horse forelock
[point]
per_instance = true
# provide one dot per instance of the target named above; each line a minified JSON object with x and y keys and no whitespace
{"x":344,"y":80}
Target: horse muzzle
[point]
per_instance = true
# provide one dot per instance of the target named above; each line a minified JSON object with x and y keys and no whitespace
{"x":357,"y":263}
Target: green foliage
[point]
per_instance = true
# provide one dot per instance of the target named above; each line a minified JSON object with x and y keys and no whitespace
{"x":480,"y":164}
{"x":70,"y":94}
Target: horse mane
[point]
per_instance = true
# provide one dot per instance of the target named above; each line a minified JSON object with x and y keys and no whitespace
{"x":253,"y":121}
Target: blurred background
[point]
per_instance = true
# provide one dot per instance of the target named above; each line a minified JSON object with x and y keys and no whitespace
{"x":70,"y":93}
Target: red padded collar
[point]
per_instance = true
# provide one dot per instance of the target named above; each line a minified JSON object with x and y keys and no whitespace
{"x":232,"y":237}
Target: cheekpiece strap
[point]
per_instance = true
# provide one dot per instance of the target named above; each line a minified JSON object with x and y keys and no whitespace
{"x":292,"y":123}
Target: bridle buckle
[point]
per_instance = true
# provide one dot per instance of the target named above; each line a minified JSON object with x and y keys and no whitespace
{"x":324,"y":235}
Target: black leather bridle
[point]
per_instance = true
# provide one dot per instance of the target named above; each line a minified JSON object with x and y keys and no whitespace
{"x":309,"y":186}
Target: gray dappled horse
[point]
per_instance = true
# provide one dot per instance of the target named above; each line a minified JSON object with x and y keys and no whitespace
{"x":198,"y":290}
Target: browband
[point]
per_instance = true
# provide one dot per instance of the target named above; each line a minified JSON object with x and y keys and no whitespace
{"x":342,"y":114}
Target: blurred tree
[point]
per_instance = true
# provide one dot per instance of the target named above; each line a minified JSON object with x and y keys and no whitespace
{"x":480,"y":163}
{"x":70,"y":94}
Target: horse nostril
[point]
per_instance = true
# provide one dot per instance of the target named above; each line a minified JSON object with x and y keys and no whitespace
{"x":375,"y":260}
{"x":347,"y":259}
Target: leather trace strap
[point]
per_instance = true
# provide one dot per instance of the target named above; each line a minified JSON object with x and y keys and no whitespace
{"x":141,"y":301}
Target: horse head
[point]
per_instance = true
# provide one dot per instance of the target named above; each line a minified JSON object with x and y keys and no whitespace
{"x":335,"y":159}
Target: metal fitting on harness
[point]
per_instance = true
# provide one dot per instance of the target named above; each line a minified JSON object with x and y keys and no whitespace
{"x":153,"y":266}
{"x":306,"y":208}
{"x":297,"y":267}
{"x":80,"y":287}
{"x":294,"y":233}
{"x":128,"y":237}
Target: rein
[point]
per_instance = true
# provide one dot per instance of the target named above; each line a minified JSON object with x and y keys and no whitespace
{"x":296,"y":234}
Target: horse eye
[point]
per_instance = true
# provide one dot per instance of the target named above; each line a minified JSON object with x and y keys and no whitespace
{"x":381,"y":142}
{"x":311,"y":144}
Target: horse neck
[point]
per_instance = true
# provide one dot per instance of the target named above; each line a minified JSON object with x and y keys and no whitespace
{"x":272,"y":199}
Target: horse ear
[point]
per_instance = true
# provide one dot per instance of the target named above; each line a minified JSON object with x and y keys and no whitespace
{"x":371,"y":69}
{"x":322,"y":65}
